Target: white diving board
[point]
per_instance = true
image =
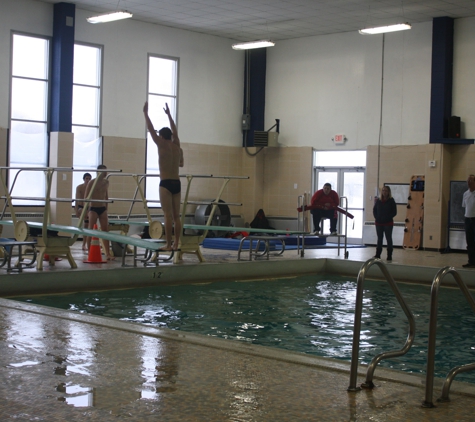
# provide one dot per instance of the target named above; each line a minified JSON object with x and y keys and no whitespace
{"x":113,"y":237}
{"x":64,"y":248}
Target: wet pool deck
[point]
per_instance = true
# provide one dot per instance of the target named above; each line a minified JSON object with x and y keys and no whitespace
{"x":58,"y":366}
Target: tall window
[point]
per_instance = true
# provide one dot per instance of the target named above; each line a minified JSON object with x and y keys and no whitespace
{"x":28,"y":142}
{"x":86,"y":109}
{"x":162,"y":88}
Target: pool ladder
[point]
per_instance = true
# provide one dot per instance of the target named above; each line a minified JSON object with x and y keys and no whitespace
{"x":410,"y":338}
{"x":357,"y":326}
{"x":434,"y":295}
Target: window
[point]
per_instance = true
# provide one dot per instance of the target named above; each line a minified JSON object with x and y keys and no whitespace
{"x":86,"y":109}
{"x":28,"y":141}
{"x":162,"y":88}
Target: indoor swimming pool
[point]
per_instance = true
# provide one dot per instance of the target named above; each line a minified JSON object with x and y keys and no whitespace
{"x":307,"y":314}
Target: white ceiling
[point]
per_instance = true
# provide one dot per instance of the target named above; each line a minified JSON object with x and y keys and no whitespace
{"x":247,"y":20}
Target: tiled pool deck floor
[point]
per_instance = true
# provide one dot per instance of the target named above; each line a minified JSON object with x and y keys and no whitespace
{"x":61,"y":366}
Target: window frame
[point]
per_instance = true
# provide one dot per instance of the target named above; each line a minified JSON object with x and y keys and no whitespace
{"x":154,"y":195}
{"x":48,"y":60}
{"x":92,"y":168}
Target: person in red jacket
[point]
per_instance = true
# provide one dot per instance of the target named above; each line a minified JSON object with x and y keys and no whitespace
{"x":324,"y":202}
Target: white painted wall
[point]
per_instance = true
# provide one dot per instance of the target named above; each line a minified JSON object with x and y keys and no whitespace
{"x":326,"y":85}
{"x":210,"y":79}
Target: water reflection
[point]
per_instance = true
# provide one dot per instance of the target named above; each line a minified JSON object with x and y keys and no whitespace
{"x":159,"y":367}
{"x":76,"y":395}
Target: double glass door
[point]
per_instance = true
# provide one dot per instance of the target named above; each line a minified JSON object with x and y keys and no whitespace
{"x":349,"y":184}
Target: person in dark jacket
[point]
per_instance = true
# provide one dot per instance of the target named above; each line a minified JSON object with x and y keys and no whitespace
{"x":384,"y":211}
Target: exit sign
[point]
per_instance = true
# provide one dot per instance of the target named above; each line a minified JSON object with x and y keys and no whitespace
{"x":339,"y":139}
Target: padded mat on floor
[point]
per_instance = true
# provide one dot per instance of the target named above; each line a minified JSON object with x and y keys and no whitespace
{"x":233,"y":244}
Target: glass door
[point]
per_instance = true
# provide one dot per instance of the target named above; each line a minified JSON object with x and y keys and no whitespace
{"x":349,"y":184}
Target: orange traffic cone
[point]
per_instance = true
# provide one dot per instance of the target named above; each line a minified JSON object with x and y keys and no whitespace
{"x":95,"y":255}
{"x":56,"y":258}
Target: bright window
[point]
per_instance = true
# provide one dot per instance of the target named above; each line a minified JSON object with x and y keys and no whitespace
{"x":340,"y":158}
{"x":28,"y":141}
{"x":162,"y":88}
{"x":86,"y":109}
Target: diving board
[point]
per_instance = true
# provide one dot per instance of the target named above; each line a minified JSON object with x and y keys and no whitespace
{"x":54,"y":249}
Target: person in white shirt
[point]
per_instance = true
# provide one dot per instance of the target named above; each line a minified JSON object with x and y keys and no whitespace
{"x":468,"y":202}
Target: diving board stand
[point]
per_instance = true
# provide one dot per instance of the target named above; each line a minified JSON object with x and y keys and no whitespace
{"x":191,"y":243}
{"x":54,"y":246}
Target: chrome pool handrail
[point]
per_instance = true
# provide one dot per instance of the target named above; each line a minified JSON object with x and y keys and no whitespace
{"x":434,"y":295}
{"x":357,"y":326}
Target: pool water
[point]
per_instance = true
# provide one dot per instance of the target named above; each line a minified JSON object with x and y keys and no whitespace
{"x":309,"y":314}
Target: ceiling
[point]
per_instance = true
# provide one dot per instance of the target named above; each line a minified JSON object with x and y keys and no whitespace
{"x":246,"y":20}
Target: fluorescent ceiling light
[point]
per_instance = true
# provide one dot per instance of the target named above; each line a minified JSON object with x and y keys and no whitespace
{"x":109,"y":17}
{"x":383,"y":29}
{"x":253,"y":44}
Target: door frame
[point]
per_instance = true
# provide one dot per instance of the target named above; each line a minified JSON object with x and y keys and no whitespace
{"x":339,"y":188}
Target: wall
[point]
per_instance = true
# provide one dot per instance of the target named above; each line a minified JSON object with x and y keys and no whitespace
{"x":398,"y":164}
{"x":333,"y":85}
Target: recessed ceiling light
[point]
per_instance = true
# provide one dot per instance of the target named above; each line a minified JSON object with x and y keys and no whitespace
{"x":384,"y":29}
{"x":109,"y":17}
{"x":253,"y":44}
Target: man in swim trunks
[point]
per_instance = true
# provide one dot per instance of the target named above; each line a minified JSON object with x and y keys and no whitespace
{"x":79,"y":205}
{"x":98,"y":209}
{"x":170,"y":159}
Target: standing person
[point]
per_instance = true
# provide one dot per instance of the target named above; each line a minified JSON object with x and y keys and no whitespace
{"x":79,"y":205}
{"x":384,"y":211}
{"x":170,"y":158}
{"x":98,"y":209}
{"x":324,"y":203}
{"x":468,"y":202}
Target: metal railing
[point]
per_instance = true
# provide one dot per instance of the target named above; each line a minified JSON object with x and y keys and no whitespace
{"x":433,"y":333}
{"x":357,"y":326}
{"x":303,"y":222}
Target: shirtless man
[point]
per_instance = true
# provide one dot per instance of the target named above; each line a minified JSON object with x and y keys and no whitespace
{"x":97,"y":209}
{"x":170,"y":158}
{"x":79,"y":205}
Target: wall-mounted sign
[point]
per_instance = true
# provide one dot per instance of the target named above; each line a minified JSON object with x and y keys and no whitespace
{"x":339,"y":139}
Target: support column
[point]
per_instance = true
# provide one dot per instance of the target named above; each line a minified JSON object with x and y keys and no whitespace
{"x":61,"y":155}
{"x":62,"y":67}
{"x":61,"y":137}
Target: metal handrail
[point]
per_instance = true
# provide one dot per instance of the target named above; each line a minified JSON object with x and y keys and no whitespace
{"x":433,"y":333}
{"x":346,"y":224}
{"x":357,"y":326}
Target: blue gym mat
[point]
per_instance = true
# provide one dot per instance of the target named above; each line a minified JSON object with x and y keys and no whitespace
{"x":233,"y":244}
{"x":311,"y":242}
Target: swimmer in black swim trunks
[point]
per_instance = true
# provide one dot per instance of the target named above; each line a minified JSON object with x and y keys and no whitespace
{"x":98,"y":208}
{"x":170,"y":158}
{"x":174,"y":186}
{"x":79,"y":205}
